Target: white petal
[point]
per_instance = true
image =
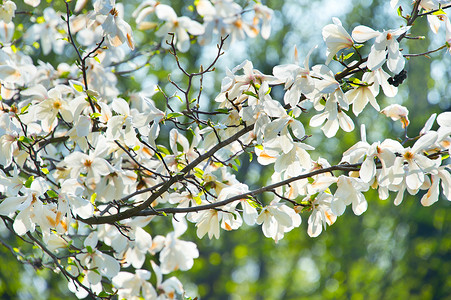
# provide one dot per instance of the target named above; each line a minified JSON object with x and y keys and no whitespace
{"x":362,"y":34}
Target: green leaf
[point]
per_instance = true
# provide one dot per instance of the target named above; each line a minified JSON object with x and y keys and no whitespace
{"x":45,"y":171}
{"x":439,"y":12}
{"x":249,"y":93}
{"x":198,"y":200}
{"x":52,"y":194}
{"x":95,"y":115}
{"x":78,"y":88}
{"x":25,"y":108}
{"x":163,"y":149}
{"x":173,"y":115}
{"x":237,"y":161}
{"x":199,"y":171}
{"x":222,"y":110}
{"x":29,"y":181}
{"x":93,"y":198}
{"x":25,"y":140}
{"x":348,"y":56}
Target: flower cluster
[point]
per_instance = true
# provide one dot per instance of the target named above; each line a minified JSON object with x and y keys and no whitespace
{"x":86,"y":165}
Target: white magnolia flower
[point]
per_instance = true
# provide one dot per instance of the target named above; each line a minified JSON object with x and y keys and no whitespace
{"x":98,"y":264}
{"x":349,"y":191}
{"x":397,"y":112}
{"x":361,"y":95}
{"x":93,"y":165}
{"x":442,"y":174}
{"x":297,"y":80}
{"x":134,"y":286}
{"x":276,"y":219}
{"x":412,"y":164}
{"x":7,"y":11}
{"x":180,"y":26}
{"x":9,"y":133}
{"x":385,"y":43}
{"x":263,"y":13}
{"x":167,"y":288}
{"x":321,"y":214}
{"x":207,"y":221}
{"x":29,"y":205}
{"x":177,"y":254}
{"x":48,"y":33}
{"x":336,"y":38}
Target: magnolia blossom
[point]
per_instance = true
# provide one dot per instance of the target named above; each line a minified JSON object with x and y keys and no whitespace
{"x":107,"y":13}
{"x":443,"y":175}
{"x":397,"y":112}
{"x":97,"y":263}
{"x":263,"y":13}
{"x":47,"y":33}
{"x":9,"y":133}
{"x":276,"y":219}
{"x":177,"y":254}
{"x":336,"y":38}
{"x":29,"y":205}
{"x":297,"y":79}
{"x":7,"y":11}
{"x":134,"y":286}
{"x":180,"y":26}
{"x":361,"y":95}
{"x":92,"y":164}
{"x":413,"y":164}
{"x":167,"y":288}
{"x":385,"y":43}
{"x":321,"y":214}
{"x":349,"y":191}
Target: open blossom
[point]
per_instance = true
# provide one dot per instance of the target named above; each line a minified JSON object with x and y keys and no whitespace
{"x":116,"y":29}
{"x":177,"y":254}
{"x":297,"y":79}
{"x":321,"y":214}
{"x":93,"y":165}
{"x":98,"y":263}
{"x":7,"y":11}
{"x":361,"y":95}
{"x":264,"y":14}
{"x":336,"y":38}
{"x":276,"y":219}
{"x":144,"y":8}
{"x":397,"y":112}
{"x":413,"y":164}
{"x":132,"y":286}
{"x":233,"y":86}
{"x":180,"y":26}
{"x":385,"y":43}
{"x":48,"y":32}
{"x":28,"y":204}
{"x":349,"y":191}
{"x":9,"y":133}
{"x":167,"y":288}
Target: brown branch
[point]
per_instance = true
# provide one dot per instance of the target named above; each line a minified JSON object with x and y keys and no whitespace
{"x":269,"y":188}
{"x":180,"y":176}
